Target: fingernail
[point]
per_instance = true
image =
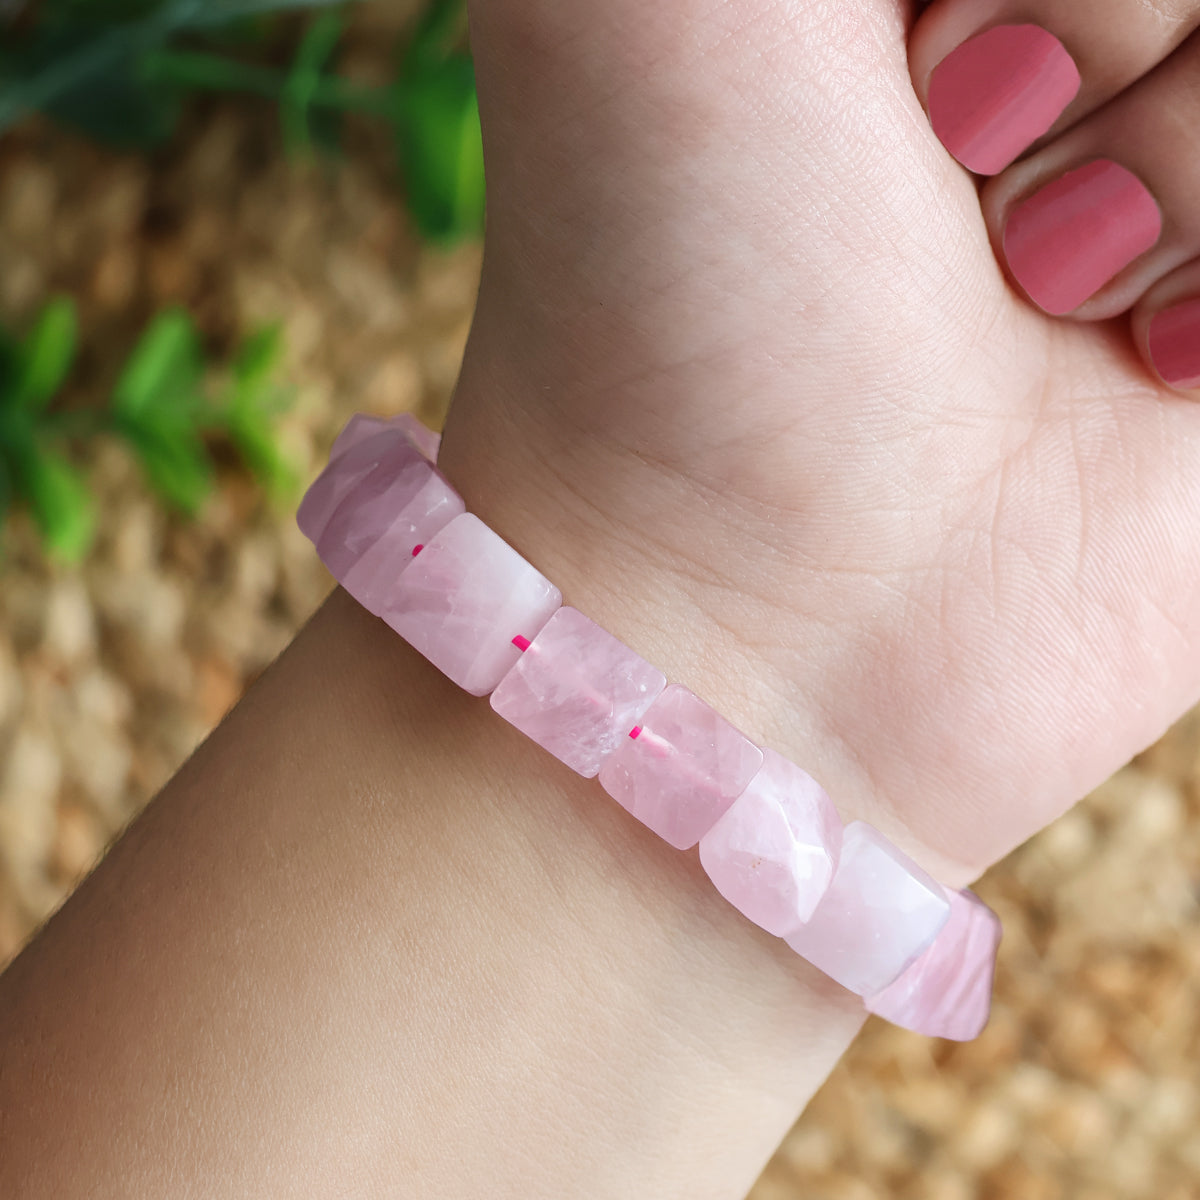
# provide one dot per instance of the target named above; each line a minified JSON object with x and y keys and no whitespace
{"x":994,"y":96}
{"x":1068,"y":240}
{"x":1175,"y":344}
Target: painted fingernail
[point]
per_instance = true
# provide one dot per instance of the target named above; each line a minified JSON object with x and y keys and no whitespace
{"x":1175,"y":344}
{"x":994,"y":96}
{"x":1068,"y":240}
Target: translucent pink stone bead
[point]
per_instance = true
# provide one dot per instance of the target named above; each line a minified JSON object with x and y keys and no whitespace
{"x":464,"y":598}
{"x":773,"y":854}
{"x":947,"y":992}
{"x":684,"y":769}
{"x":880,"y":913}
{"x":370,"y":538}
{"x":352,"y":465}
{"x":577,"y":691}
{"x":362,"y":426}
{"x":356,"y":453}
{"x":421,"y":436}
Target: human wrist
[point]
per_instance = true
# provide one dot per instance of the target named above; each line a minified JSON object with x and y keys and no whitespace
{"x":342,"y":912}
{"x":397,"y":535}
{"x":630,"y":958}
{"x":668,"y":556}
{"x":625,"y":538}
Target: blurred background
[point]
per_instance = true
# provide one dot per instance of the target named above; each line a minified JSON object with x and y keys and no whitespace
{"x":226,"y":225}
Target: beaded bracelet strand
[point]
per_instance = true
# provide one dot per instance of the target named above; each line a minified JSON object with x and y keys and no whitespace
{"x":398,"y":538}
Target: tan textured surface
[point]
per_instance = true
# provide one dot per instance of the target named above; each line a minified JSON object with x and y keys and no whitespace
{"x":1085,"y":1083}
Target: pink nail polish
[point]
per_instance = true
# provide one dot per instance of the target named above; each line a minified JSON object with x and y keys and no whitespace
{"x":1068,"y":240}
{"x":1175,"y":344}
{"x":994,"y":96}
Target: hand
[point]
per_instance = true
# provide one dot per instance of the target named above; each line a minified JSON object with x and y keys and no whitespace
{"x":747,"y":381}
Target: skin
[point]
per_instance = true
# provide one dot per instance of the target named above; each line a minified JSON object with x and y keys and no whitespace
{"x":741,"y":332}
{"x":342,"y":955}
{"x":747,"y":383}
{"x":1136,"y":105}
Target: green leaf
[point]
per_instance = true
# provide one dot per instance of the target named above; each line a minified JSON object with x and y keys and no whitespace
{"x":441,"y":150}
{"x":436,"y":116}
{"x":163,"y":370}
{"x":60,"y":502}
{"x":253,"y":399}
{"x":258,"y":357}
{"x":173,"y":457}
{"x":318,"y":44}
{"x":11,"y":358}
{"x":94,"y":11}
{"x":122,"y":108}
{"x":260,"y":450}
{"x":16,"y":439}
{"x":46,"y":356}
{"x":156,"y":405}
{"x":440,"y":27}
{"x":191,"y":70}
{"x":6,"y":490}
{"x":60,"y":62}
{"x":76,"y":51}
{"x":222,"y":12}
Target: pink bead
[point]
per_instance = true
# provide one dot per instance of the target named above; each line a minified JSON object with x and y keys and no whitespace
{"x":423,"y":513}
{"x":421,"y":436}
{"x":684,"y":769}
{"x":464,"y":598}
{"x":880,"y":913}
{"x":773,"y":854}
{"x":361,"y":426}
{"x":947,"y":992}
{"x":356,"y":453}
{"x":577,"y":691}
{"x":370,"y":537}
{"x":330,"y":487}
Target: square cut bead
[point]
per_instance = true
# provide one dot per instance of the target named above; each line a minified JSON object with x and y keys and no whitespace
{"x":686,"y":766}
{"x":362,"y":426}
{"x":403,"y":503}
{"x":577,"y":691}
{"x":947,"y":992}
{"x":358,"y":460}
{"x":421,"y":436}
{"x":880,"y":913}
{"x":357,"y":452}
{"x":773,"y":854}
{"x":372,"y":578}
{"x":464,"y":598}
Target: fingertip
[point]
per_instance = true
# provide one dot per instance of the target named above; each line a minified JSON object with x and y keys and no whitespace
{"x":1173,"y":345}
{"x":1077,"y":242}
{"x":1166,"y":328}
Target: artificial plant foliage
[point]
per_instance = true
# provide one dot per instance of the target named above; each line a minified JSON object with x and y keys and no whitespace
{"x":166,"y":404}
{"x":436,"y":119}
{"x":121,"y":71}
{"x":31,"y":469}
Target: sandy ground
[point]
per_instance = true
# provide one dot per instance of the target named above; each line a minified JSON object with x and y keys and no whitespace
{"x":1084,"y":1085}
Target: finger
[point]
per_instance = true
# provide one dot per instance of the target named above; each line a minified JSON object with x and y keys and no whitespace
{"x":996,"y":76}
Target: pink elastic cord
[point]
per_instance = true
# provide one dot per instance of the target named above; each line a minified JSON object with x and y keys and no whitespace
{"x":398,"y":538}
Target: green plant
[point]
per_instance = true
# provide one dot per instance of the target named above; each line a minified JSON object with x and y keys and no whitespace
{"x":165,"y":403}
{"x":120,"y":70}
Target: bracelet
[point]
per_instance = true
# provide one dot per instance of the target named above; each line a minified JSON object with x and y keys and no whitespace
{"x":398,"y":538}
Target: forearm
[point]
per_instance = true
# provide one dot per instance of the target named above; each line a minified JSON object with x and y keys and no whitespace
{"x":372,"y":941}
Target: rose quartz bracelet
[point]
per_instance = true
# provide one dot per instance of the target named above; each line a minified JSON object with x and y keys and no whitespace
{"x":398,"y":538}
